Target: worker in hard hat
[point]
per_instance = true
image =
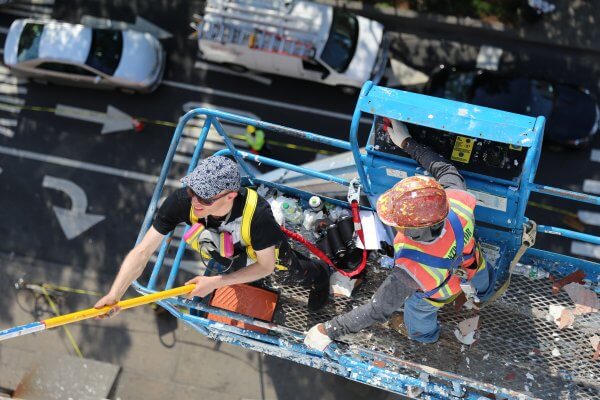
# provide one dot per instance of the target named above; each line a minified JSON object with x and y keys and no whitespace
{"x":255,"y":139}
{"x":434,"y":221}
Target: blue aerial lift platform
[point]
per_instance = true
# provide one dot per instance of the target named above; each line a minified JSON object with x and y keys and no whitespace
{"x":520,"y":353}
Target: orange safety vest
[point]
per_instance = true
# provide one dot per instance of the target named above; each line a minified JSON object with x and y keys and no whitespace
{"x":429,"y":278}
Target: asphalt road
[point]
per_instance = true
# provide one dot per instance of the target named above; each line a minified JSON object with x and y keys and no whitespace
{"x":116,"y":171}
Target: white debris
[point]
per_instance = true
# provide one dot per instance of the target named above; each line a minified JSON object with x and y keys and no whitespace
{"x":586,"y":301}
{"x":486,"y":356}
{"x":341,"y":285}
{"x":467,"y":331}
{"x":555,"y":352}
{"x":529,"y":376}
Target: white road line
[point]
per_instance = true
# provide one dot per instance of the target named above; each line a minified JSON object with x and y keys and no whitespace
{"x":7,"y":132}
{"x":12,"y":80}
{"x":8,"y":122}
{"x":20,"y":13}
{"x":30,"y":7}
{"x":591,"y":186}
{"x":10,"y":109}
{"x":182,"y":159}
{"x":8,"y":88}
{"x":37,"y":2}
{"x":12,"y":100}
{"x":589,"y":217}
{"x":585,"y":249}
{"x":4,"y":70}
{"x":195,"y":267}
{"x":595,"y":156}
{"x":253,"y":99}
{"x":102,"y":169}
{"x":224,"y":70}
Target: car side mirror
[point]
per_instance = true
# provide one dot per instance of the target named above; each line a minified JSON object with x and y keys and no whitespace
{"x":325,"y":74}
{"x":97,"y":79}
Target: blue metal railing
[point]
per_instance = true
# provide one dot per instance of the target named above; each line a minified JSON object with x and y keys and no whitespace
{"x":340,"y":362}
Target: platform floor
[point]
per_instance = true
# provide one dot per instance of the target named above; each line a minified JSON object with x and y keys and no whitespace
{"x":514,"y":351}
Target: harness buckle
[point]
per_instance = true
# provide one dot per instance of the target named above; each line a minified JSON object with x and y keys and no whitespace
{"x":469,"y":291}
{"x":354,"y":191}
{"x":461,"y":273}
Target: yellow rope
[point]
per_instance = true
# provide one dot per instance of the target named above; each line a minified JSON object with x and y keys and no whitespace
{"x":57,"y":313}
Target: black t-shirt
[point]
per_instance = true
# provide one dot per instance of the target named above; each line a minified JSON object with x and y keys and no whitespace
{"x":264,"y":230}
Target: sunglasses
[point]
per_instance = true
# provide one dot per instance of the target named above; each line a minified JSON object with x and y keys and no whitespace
{"x":203,"y":201}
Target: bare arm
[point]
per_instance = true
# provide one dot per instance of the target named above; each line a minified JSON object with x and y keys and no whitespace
{"x":132,"y":267}
{"x":264,"y":266}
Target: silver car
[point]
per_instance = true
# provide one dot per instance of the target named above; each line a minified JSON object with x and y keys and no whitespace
{"x":78,"y":55}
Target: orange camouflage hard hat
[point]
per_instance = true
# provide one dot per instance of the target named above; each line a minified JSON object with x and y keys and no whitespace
{"x":414,"y":202}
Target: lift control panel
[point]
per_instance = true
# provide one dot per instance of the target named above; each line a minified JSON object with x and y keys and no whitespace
{"x":482,"y":156}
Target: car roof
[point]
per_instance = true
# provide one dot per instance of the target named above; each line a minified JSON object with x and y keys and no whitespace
{"x":64,"y":41}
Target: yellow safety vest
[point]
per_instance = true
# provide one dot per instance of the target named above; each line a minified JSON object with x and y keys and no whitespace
{"x":247,"y":215}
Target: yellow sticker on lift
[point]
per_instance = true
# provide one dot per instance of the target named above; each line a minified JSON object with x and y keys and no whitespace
{"x":517,"y":148}
{"x":463,"y":147}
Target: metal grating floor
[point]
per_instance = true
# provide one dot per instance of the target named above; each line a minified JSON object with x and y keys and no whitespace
{"x":514,"y":351}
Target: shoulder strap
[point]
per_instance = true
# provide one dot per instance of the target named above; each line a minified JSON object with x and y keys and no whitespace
{"x":440,"y":262}
{"x":247,"y":215}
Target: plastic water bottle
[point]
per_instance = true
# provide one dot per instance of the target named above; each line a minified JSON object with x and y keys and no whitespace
{"x":315,"y":203}
{"x":386,"y":262}
{"x":530,"y":271}
{"x":291,"y":212}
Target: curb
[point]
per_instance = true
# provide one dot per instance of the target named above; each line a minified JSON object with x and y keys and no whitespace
{"x":394,"y":17}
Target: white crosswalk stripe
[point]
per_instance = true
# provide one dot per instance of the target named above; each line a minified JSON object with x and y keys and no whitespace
{"x":589,"y":217}
{"x":214,"y":142}
{"x":591,"y":186}
{"x":6,"y":132}
{"x":585,"y":249}
{"x":10,"y":88}
{"x":595,"y":156}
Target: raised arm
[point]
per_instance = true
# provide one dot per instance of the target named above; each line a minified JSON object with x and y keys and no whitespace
{"x":440,"y":168}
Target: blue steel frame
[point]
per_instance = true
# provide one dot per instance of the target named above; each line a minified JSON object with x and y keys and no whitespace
{"x":357,"y":363}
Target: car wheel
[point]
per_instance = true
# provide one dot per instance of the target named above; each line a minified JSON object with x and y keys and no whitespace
{"x":348,"y":90}
{"x":236,"y":68}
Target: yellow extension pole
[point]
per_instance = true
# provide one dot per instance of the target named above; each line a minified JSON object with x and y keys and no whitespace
{"x":123,"y":304}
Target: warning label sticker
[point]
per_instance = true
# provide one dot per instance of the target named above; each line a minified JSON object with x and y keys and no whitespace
{"x":463,"y":147}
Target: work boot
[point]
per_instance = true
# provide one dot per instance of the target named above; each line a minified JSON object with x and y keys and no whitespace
{"x":397,"y":323}
{"x":319,"y":294}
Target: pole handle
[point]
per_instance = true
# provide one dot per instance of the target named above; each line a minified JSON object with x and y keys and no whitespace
{"x":124,"y":304}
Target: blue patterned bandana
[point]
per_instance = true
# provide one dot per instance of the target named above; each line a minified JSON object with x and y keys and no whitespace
{"x":212,"y":176}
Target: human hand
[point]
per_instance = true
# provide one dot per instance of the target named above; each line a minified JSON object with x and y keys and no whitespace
{"x":108,"y":300}
{"x":316,"y":338}
{"x":399,"y":133}
{"x":204,"y":285}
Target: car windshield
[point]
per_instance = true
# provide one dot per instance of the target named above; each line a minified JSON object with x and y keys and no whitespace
{"x":29,"y":42}
{"x":542,"y":96}
{"x":106,"y":49}
{"x":340,"y":46}
{"x":458,"y":85}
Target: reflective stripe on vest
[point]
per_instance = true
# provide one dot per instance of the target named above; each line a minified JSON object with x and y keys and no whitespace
{"x":429,"y":264}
